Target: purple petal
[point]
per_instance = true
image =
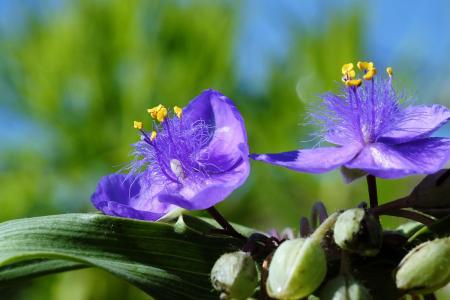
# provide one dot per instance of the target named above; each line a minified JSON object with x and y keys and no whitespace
{"x":318,"y":160}
{"x":204,"y":194}
{"x":425,"y":156}
{"x":228,"y":143}
{"x":199,"y":108}
{"x":417,"y":122}
{"x":124,"y":196}
{"x":224,"y":160}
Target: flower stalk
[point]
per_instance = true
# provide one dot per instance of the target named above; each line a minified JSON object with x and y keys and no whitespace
{"x":229,"y":229}
{"x":372,"y":186}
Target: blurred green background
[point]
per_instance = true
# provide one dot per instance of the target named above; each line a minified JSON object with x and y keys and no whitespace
{"x":75,"y":74}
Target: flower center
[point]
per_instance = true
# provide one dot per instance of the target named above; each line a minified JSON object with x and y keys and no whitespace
{"x":365,"y":101}
{"x":171,"y":151}
{"x":177,"y":169}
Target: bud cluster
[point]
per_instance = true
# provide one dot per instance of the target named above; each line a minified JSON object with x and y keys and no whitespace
{"x":348,"y":255}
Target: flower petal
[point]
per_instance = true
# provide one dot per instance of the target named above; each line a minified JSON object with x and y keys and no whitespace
{"x":199,"y":108}
{"x":228,"y":144}
{"x":425,"y":156}
{"x":124,"y":196}
{"x":224,"y":160}
{"x":318,"y":160}
{"x":417,"y":122}
{"x":204,"y":194}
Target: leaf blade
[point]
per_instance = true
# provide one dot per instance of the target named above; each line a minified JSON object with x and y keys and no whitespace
{"x":166,"y":261}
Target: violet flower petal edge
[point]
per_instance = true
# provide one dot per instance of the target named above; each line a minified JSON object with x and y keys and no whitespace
{"x":316,"y":160}
{"x":417,"y":122}
{"x":118,"y":194}
{"x":424,"y":156}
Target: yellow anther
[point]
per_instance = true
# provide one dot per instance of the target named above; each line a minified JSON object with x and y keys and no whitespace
{"x":178,"y":111}
{"x":346,"y":68}
{"x":351,"y":74}
{"x":138,"y":125}
{"x":154,"y":111}
{"x":353,"y":82}
{"x":370,"y":73}
{"x":153,"y":136}
{"x":161,"y":114}
{"x":365,"y":65}
{"x":389,"y":71}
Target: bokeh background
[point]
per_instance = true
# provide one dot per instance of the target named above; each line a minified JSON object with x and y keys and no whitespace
{"x":75,"y":74}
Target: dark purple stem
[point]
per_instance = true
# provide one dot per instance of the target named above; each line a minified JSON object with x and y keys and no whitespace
{"x":372,"y":186}
{"x":390,"y":206}
{"x":412,"y":215}
{"x":224,"y":223}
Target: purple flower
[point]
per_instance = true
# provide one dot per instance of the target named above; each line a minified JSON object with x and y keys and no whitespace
{"x":373,"y":132}
{"x":192,"y":159}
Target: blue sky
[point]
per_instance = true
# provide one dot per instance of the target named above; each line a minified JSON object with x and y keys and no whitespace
{"x":415,"y":34}
{"x":401,"y":31}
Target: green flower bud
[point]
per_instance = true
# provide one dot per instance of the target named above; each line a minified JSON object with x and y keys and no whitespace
{"x":426,"y":268}
{"x":297,"y":269}
{"x":344,"y":288}
{"x":235,"y":275}
{"x":358,"y":231}
{"x":299,"y":266}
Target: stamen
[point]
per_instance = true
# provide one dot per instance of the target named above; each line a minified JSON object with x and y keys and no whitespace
{"x":178,"y":111}
{"x":153,"y":136}
{"x":353,"y":82}
{"x":365,"y":65}
{"x":138,"y":125}
{"x":161,"y":114}
{"x":389,"y":71}
{"x":346,"y":68}
{"x":351,"y":74}
{"x":370,"y":73}
{"x":154,"y":111}
{"x":177,"y":169}
{"x":348,"y":72}
{"x":171,"y":151}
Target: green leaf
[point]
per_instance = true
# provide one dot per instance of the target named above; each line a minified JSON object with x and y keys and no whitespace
{"x":167,"y":261}
{"x":30,"y":269}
